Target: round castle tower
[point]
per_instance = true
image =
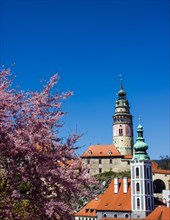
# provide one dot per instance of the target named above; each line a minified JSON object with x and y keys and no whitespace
{"x":122,"y":124}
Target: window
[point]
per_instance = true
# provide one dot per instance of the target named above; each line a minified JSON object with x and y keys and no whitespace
{"x":115,"y":216}
{"x":89,"y":152}
{"x":88,"y":161}
{"x":100,"y":161}
{"x":110,"y":161}
{"x":137,"y":187}
{"x":148,"y":188}
{"x":120,"y":132}
{"x":100,"y":170}
{"x":138,"y":203}
{"x":104,"y":215}
{"x":137,"y":172}
{"x":109,"y":152}
{"x":147,"y":170}
{"x":149,"y":204}
{"x":126,"y":216}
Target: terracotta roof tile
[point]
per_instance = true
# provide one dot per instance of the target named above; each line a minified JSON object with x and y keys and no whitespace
{"x":128,"y":156}
{"x":155,"y":165}
{"x":90,"y":209}
{"x":160,"y":213}
{"x":102,"y":151}
{"x":116,"y":201}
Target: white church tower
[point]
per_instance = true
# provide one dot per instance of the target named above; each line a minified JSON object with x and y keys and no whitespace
{"x":141,"y":179}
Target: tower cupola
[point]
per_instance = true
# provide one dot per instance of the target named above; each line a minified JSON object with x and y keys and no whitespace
{"x":140,"y":147}
{"x":121,"y":93}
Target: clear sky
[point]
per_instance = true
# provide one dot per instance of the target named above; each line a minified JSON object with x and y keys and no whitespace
{"x":89,"y":43}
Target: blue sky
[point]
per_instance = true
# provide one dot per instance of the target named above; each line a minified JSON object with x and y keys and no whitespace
{"x":89,"y":43}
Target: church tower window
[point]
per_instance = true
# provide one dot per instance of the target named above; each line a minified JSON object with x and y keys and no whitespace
{"x":137,"y":172}
{"x":138,"y":203}
{"x":137,"y":187}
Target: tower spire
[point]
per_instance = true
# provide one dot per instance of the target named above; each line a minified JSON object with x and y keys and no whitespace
{"x":121,"y":83}
{"x":140,"y":146}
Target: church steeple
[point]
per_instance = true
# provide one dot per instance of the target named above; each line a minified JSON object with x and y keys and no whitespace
{"x":140,"y":146}
{"x":141,"y":177}
{"x":122,"y":124}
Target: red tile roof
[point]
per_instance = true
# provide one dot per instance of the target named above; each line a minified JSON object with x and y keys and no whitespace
{"x":90,"y":209}
{"x":128,"y":156}
{"x":116,"y":201}
{"x":160,"y":213}
{"x":102,"y":151}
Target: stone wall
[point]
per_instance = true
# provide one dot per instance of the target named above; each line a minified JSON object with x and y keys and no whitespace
{"x":101,"y":165}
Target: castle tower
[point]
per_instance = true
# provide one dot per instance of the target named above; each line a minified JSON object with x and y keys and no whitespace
{"x":141,"y":179}
{"x":122,"y":124}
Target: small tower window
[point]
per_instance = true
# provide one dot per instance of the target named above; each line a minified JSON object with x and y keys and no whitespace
{"x":138,"y":203}
{"x":137,"y":187}
{"x":126,"y":216}
{"x":110,"y":161}
{"x":147,"y":171}
{"x":149,"y":204}
{"x":100,"y":161}
{"x":120,"y":132}
{"x":100,"y":170}
{"x":148,"y":188}
{"x":88,"y":161}
{"x":137,"y":172}
{"x":104,"y":215}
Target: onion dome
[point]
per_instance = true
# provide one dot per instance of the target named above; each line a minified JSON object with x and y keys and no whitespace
{"x":121,"y":93}
{"x":140,"y":146}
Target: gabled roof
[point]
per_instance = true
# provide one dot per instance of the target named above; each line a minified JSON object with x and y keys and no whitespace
{"x":116,"y":201}
{"x":160,"y":213}
{"x":90,"y":209}
{"x":102,"y":151}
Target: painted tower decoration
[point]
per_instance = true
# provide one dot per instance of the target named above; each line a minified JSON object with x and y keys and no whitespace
{"x":141,"y":179}
{"x":122,"y":124}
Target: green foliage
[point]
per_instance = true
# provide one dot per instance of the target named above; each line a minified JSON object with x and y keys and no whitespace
{"x":24,"y":187}
{"x":3,"y":185}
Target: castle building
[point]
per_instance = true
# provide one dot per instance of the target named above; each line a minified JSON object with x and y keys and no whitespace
{"x":113,"y":157}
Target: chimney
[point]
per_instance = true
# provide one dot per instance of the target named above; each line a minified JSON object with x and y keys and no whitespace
{"x":116,"y":185}
{"x":125,"y":184}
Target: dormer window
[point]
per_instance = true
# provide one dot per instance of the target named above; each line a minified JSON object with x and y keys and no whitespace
{"x":89,"y":152}
{"x":109,"y":152}
{"x":87,"y":210}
